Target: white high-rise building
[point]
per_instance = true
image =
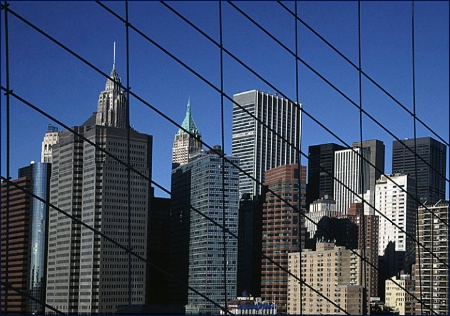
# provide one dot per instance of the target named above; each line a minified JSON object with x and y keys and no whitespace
{"x":50,"y":138}
{"x":352,"y":177}
{"x":318,"y":209}
{"x":87,"y":274}
{"x":186,"y":145}
{"x":398,"y":208}
{"x":258,"y":147}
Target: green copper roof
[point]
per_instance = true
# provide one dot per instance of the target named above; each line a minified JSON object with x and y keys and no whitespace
{"x":188,"y":122}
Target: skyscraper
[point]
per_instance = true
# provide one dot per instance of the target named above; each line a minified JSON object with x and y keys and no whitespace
{"x":351,"y":174}
{"x":283,"y":229}
{"x":399,"y":211}
{"x":321,"y":171}
{"x":258,"y":147}
{"x":186,"y":144}
{"x":431,"y":266}
{"x":87,"y":273}
{"x":431,"y":166}
{"x":200,"y":259}
{"x":50,"y":138}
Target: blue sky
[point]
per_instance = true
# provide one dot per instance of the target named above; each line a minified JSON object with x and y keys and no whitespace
{"x":52,"y":79}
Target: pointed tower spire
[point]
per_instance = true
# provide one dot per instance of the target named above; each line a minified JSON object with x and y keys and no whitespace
{"x":114,"y":57}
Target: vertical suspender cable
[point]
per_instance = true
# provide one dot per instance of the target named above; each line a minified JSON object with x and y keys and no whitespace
{"x":223,"y":162}
{"x":298,"y":136}
{"x":418,"y":263}
{"x":361,"y":216}
{"x":8,"y":153}
{"x":128,"y":152}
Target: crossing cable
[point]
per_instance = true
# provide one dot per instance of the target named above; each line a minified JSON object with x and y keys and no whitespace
{"x":282,"y":138}
{"x":222,"y":169}
{"x":78,"y":57}
{"x":361,"y":167}
{"x":340,"y":92}
{"x":363,"y":73}
{"x":415,"y":144}
{"x":278,"y":91}
{"x":8,"y":154}
{"x":96,"y":231}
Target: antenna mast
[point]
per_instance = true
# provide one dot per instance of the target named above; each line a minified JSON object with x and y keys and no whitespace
{"x":114,"y":56}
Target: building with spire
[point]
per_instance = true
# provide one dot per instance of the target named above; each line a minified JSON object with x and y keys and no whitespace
{"x":91,"y":181}
{"x":187,"y":140}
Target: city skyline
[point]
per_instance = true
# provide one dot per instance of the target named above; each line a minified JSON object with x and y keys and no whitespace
{"x":77,"y":94}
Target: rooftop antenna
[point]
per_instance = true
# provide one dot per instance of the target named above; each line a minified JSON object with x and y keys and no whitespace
{"x":114,"y":56}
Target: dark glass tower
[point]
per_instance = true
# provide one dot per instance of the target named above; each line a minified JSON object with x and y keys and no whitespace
{"x":320,"y":171}
{"x":431,"y":168}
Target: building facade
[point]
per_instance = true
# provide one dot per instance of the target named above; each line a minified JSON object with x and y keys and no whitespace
{"x":266,"y":133}
{"x":317,"y":210}
{"x":187,"y":140}
{"x":321,"y":171}
{"x":397,"y":212}
{"x":282,"y":228}
{"x":397,"y":298}
{"x":431,"y":266}
{"x":331,"y":277}
{"x":90,"y":181}
{"x":210,"y":254}
{"x":50,"y":138}
{"x":431,"y":165}
{"x":352,"y":176}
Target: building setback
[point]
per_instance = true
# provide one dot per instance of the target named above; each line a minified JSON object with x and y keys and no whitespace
{"x":266,"y":132}
{"x":88,"y":274}
{"x":431,"y":165}
{"x":431,"y":266}
{"x":200,"y":260}
{"x":283,"y":230}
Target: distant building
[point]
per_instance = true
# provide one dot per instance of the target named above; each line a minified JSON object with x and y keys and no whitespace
{"x":431,"y":165}
{"x":250,"y":305}
{"x":187,"y":140}
{"x":352,"y":176}
{"x":334,"y":273}
{"x":321,"y":172}
{"x":317,"y":210}
{"x":432,"y":259}
{"x":197,"y":256}
{"x":50,"y":138}
{"x":399,"y":295}
{"x":259,"y":148}
{"x":397,"y":211}
{"x":283,"y":230}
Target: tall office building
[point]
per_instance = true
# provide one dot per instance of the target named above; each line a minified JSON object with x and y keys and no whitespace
{"x":202,"y":188}
{"x":431,"y":266}
{"x":317,"y":210}
{"x":321,"y":171}
{"x":186,"y":144}
{"x":351,"y":177}
{"x":50,"y":138}
{"x":86,"y":273}
{"x":266,"y":130}
{"x":397,"y":221}
{"x":431,"y":166}
{"x":283,"y":230}
{"x":16,"y":204}
{"x":333,"y":273}
{"x":376,"y":166}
